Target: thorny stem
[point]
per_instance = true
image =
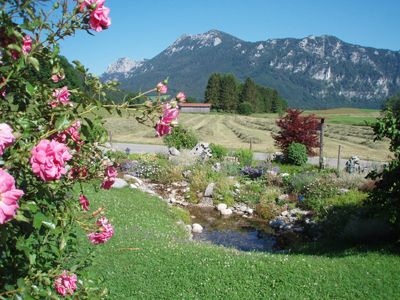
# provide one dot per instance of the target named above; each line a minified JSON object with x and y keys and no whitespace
{"x":9,"y":292}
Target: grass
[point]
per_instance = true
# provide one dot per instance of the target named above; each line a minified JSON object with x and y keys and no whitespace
{"x":235,"y":132}
{"x":168,"y":266}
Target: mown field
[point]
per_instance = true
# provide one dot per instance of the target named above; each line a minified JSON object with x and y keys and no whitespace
{"x":149,"y":257}
{"x":347,"y":127}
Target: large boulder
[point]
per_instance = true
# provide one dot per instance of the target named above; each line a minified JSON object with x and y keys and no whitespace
{"x":202,"y":151}
{"x":119,"y":183}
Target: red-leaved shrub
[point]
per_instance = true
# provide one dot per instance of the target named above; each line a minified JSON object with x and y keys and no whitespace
{"x":295,"y":128}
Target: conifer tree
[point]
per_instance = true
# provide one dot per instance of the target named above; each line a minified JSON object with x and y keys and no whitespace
{"x":212,"y":94}
{"x":229,"y":93}
{"x":250,"y":94}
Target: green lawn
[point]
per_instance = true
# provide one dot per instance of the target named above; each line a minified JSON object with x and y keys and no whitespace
{"x":168,"y":266}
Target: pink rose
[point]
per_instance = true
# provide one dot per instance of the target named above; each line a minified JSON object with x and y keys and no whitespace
{"x":161,"y":88}
{"x":168,"y":118}
{"x":92,"y":4}
{"x":48,"y":159}
{"x":103,"y":234}
{"x":6,"y":137}
{"x":65,"y":284}
{"x":61,"y":96}
{"x":9,"y":196}
{"x":84,"y":202}
{"x":99,"y":19}
{"x":57,"y":77}
{"x":109,"y":178}
{"x":162,"y":128}
{"x":181,"y":97}
{"x":169,"y":114}
{"x":72,"y":132}
{"x":27,"y":45}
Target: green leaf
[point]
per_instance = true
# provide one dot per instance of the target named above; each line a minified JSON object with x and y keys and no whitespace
{"x":63,"y":243}
{"x":14,"y":47}
{"x":62,"y":122}
{"x":30,"y":89}
{"x":21,"y":282}
{"x":38,"y":219}
{"x":31,"y":206}
{"x":32,"y":259}
{"x":49,"y":225}
{"x":21,"y":218}
{"x":34,"y":62}
{"x":17,"y":34}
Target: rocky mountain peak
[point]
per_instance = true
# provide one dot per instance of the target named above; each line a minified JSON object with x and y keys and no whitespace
{"x":314,"y":71}
{"x":123,"y":65}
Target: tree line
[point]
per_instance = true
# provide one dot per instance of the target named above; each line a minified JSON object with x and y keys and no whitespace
{"x":226,"y":93}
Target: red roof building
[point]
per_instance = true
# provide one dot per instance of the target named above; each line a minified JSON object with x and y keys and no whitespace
{"x":195,"y":107}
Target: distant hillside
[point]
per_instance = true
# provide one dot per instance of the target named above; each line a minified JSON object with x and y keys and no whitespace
{"x":313,"y":72}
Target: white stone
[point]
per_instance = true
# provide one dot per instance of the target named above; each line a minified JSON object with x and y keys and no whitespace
{"x":242,"y":208}
{"x":222,"y":206}
{"x":206,"y":201}
{"x":197,"y":228}
{"x":136,"y":180}
{"x":284,"y":213}
{"x":174,"y":152}
{"x":119,"y":183}
{"x":128,"y":177}
{"x":133,"y":186}
{"x":249,"y":211}
{"x":283,"y":197}
{"x":209,"y":190}
{"x":226,"y":212}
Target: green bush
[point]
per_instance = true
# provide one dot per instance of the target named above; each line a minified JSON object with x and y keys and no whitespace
{"x":230,"y":168}
{"x":297,"y":183}
{"x":268,"y":209}
{"x":345,"y":217}
{"x":297,"y":154}
{"x":250,"y":192}
{"x":180,"y":138}
{"x":198,"y":181}
{"x":245,"y":156}
{"x":245,"y":108}
{"x":218,"y":151}
{"x":223,"y":192}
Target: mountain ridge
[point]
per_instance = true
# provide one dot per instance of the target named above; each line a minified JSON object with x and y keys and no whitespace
{"x":311,"y":72}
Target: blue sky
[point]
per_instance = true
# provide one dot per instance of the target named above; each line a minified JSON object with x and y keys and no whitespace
{"x":143,"y":28}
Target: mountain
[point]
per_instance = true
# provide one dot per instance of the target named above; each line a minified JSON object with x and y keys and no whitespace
{"x":313,"y":72}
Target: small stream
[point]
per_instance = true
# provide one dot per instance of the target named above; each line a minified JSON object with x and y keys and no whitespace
{"x":235,"y":231}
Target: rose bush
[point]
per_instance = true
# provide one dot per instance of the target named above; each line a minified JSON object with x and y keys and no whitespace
{"x":50,"y":138}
